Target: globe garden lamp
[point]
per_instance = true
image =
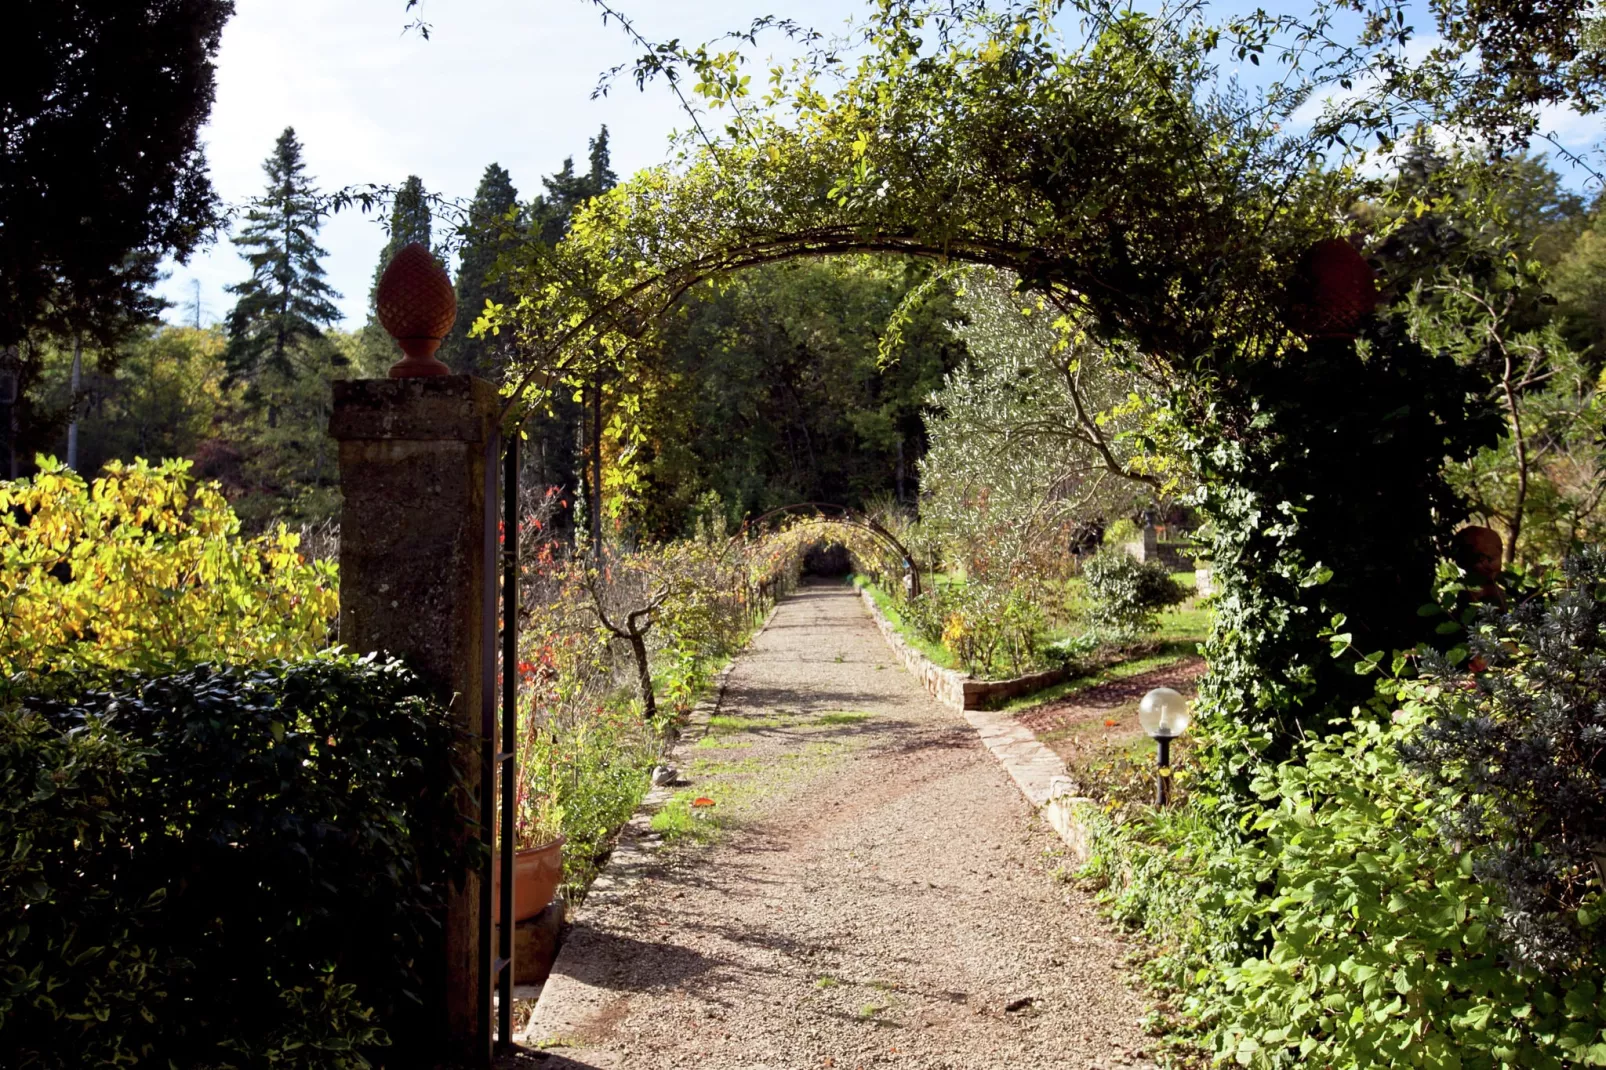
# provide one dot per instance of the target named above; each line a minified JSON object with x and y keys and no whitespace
{"x":1163,"y":713}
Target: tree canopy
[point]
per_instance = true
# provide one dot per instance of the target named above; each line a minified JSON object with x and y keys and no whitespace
{"x":102,"y":170}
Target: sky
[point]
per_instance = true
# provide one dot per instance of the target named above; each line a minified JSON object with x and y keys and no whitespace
{"x":508,"y":81}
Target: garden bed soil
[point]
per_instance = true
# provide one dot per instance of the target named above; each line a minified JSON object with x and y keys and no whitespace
{"x":1100,"y":723}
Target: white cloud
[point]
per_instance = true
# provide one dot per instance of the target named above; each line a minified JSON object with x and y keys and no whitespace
{"x":507,"y":81}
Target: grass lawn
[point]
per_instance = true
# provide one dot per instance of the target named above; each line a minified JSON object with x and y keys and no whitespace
{"x":1177,"y":635}
{"x":934,"y":652}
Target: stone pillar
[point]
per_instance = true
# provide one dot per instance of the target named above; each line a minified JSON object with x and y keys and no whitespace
{"x":418,"y":469}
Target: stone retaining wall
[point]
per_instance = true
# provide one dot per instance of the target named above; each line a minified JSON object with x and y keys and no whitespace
{"x":1037,"y":771}
{"x":951,"y":687}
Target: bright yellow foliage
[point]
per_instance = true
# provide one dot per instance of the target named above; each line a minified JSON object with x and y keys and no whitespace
{"x":145,"y":569}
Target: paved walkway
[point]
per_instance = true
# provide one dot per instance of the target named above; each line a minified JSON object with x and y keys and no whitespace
{"x":877,"y":892}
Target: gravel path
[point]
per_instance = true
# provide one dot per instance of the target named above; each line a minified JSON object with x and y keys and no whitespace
{"x":876,"y":892}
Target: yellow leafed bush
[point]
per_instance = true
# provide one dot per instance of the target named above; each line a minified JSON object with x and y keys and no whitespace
{"x":144,"y":568}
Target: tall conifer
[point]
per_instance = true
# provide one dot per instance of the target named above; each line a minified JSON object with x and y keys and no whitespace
{"x":491,"y":218}
{"x":286,"y":303}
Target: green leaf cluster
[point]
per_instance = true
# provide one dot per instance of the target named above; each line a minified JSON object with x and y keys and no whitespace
{"x":1127,"y":594}
{"x":143,"y":568}
{"x":227,"y":867}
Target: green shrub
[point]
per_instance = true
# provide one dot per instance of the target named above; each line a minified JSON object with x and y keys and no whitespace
{"x":1526,"y":741}
{"x":1127,"y":595}
{"x":1343,"y":931}
{"x":992,"y":630}
{"x":1416,"y":888}
{"x":223,"y":867}
{"x":582,"y":771}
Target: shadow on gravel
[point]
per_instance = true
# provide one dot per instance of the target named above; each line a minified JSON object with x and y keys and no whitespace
{"x":609,"y":960}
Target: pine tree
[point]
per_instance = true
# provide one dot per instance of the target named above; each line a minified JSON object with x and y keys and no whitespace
{"x":602,"y":177}
{"x":286,"y":303}
{"x":490,"y":217}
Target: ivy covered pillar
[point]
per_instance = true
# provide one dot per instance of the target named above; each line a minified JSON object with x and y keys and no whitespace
{"x":418,"y":469}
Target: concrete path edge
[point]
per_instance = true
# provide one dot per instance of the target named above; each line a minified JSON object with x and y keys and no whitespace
{"x":1037,"y":771}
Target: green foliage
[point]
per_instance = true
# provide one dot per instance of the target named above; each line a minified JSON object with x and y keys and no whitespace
{"x":1578,"y":281}
{"x":1126,"y":594}
{"x":1525,"y":740}
{"x":1035,"y":436}
{"x":587,"y":740}
{"x":992,"y":631}
{"x":145,"y":569}
{"x":103,"y":175}
{"x":582,"y":773}
{"x":156,"y":394}
{"x":1321,"y":479}
{"x":494,"y":212}
{"x":285,"y":304}
{"x":226,"y":867}
{"x":1343,"y":931}
{"x":769,"y":389}
{"x":1360,"y":913}
{"x":1379,"y":933}
{"x":410,"y":222}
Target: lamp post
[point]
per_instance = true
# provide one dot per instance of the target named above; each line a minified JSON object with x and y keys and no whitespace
{"x":1164,"y":716}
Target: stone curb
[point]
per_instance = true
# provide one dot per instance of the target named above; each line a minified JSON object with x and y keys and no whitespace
{"x":637,"y":842}
{"x":1037,"y":771}
{"x":954,"y":689}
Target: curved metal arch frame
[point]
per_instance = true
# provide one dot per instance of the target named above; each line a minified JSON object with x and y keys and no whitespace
{"x":850,"y":516}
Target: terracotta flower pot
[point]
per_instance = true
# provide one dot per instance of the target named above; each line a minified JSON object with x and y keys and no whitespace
{"x":537,"y":872}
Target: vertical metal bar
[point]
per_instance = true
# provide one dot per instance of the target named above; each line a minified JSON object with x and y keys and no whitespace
{"x":510,"y":699}
{"x":488,"y":659}
{"x":1162,"y":783}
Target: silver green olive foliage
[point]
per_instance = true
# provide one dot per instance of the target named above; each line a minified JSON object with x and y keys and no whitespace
{"x":1035,"y":433}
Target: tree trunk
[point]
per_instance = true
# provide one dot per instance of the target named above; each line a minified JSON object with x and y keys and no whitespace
{"x":77,"y":379}
{"x":638,"y":647}
{"x":596,"y":469}
{"x":1520,"y":449}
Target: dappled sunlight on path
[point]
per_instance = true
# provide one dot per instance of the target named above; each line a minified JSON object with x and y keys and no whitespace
{"x":867,"y":888}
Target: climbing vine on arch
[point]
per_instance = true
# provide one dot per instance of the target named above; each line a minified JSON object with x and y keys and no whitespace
{"x":1110,"y":169}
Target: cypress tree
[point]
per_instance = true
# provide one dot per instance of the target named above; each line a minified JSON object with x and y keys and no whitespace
{"x":602,"y":177}
{"x":563,"y":451}
{"x":491,"y":216}
{"x":286,"y":303}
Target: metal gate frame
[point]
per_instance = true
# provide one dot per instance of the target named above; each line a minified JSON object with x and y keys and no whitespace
{"x":499,"y":765}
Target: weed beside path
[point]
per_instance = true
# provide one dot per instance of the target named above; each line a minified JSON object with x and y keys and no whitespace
{"x":846,"y":879}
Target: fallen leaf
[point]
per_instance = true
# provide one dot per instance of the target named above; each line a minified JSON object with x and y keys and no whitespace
{"x":1110,"y":724}
{"x":702,"y":800}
